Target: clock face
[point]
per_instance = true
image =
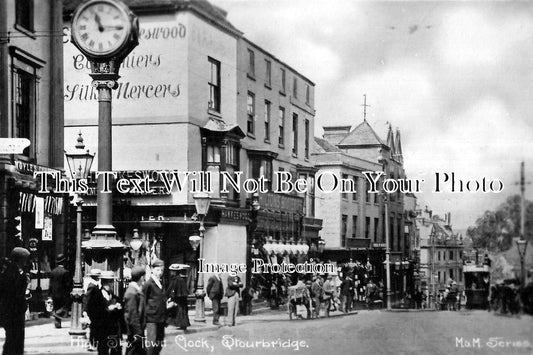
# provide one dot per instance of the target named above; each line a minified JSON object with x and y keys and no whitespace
{"x":101,"y":28}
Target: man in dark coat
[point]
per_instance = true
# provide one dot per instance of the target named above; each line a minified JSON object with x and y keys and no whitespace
{"x":60,"y":288}
{"x":95,"y":306}
{"x":155,"y":309}
{"x":177,"y":294}
{"x":134,"y":312}
{"x":215,"y":292}
{"x":233,"y":292}
{"x":347,"y":292}
{"x":13,"y":286}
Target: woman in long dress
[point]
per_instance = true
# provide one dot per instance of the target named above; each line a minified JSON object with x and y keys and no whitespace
{"x":177,"y":293}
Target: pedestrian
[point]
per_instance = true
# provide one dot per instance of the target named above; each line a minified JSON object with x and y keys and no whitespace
{"x":371,"y":291}
{"x":13,"y":290}
{"x":134,"y":312}
{"x":60,"y":288}
{"x":177,"y":293}
{"x":233,"y":295}
{"x":317,"y":294}
{"x":347,"y":290}
{"x":155,"y":309}
{"x":215,"y":292}
{"x":327,"y":298}
{"x":115,"y":316}
{"x":95,"y":307}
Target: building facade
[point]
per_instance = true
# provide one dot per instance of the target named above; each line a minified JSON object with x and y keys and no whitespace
{"x":356,"y":218}
{"x":441,"y":254}
{"x":31,"y":107}
{"x":193,"y":98}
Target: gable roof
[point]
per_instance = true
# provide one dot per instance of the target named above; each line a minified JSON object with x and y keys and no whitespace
{"x":363,"y":134}
{"x":323,"y":146}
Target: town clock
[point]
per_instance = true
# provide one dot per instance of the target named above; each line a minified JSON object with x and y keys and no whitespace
{"x":104,"y":30}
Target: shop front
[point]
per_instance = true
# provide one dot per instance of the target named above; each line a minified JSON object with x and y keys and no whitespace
{"x":36,"y":221}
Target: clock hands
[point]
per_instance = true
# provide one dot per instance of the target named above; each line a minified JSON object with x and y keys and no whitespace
{"x":99,"y":22}
{"x":118,"y":27}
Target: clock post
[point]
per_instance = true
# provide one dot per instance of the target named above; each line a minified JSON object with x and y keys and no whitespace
{"x":105,"y":31}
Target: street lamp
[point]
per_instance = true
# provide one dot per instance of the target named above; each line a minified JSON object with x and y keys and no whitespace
{"x":521,"y":245}
{"x":79,"y":164}
{"x":201,"y":202}
{"x":383,"y":161}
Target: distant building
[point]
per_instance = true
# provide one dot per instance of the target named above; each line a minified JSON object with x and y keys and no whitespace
{"x":441,"y":253}
{"x":355,"y":221}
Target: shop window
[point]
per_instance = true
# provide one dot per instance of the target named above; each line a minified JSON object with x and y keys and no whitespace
{"x":355,"y":182}
{"x":344,"y":195}
{"x":250,"y":109}
{"x":268,"y":106}
{"x":376,"y":224}
{"x":281,"y":126}
{"x":213,"y":154}
{"x":306,"y":148}
{"x":343,"y":230}
{"x":25,"y":84}
{"x":262,"y":167}
{"x":251,"y":63}
{"x":283,"y":80}
{"x":24,"y":14}
{"x":309,"y":195}
{"x":214,"y":85}
{"x":268,"y":73}
{"x":295,"y":134}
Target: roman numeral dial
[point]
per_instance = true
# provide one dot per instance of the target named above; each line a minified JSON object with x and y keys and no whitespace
{"x":101,"y":28}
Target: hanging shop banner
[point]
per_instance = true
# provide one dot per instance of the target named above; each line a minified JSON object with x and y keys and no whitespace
{"x":47,"y":228}
{"x":39,"y":213}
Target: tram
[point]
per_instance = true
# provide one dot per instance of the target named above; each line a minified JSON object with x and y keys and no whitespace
{"x":477,"y":285}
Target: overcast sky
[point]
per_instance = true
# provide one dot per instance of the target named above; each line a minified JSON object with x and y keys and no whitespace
{"x":455,"y":78}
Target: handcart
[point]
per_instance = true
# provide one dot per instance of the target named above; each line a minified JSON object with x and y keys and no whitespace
{"x":298,"y":298}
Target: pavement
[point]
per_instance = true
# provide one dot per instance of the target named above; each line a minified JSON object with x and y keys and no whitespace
{"x":43,"y":338}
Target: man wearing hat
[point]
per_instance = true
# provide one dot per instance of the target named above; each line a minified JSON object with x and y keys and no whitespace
{"x":95,"y":307}
{"x":13,"y":286}
{"x":155,"y":309}
{"x":115,"y":316}
{"x":177,"y":293}
{"x":134,"y":312}
{"x":60,"y":288}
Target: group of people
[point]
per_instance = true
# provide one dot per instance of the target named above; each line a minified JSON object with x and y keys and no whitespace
{"x":148,"y":307}
{"x":142,"y":314}
{"x":509,"y":296}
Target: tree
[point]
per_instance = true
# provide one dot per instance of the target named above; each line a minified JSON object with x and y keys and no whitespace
{"x":495,"y":230}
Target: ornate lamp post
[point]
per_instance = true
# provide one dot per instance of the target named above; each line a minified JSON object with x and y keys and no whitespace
{"x":79,"y":164}
{"x":201,"y":202}
{"x":383,"y":161}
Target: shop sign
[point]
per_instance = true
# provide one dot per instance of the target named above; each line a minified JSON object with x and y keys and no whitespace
{"x":234,"y":215}
{"x":29,"y":168}
{"x":13,"y":145}
{"x":47,"y":228}
{"x":281,"y":202}
{"x":379,"y":245}
{"x":39,"y":213}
